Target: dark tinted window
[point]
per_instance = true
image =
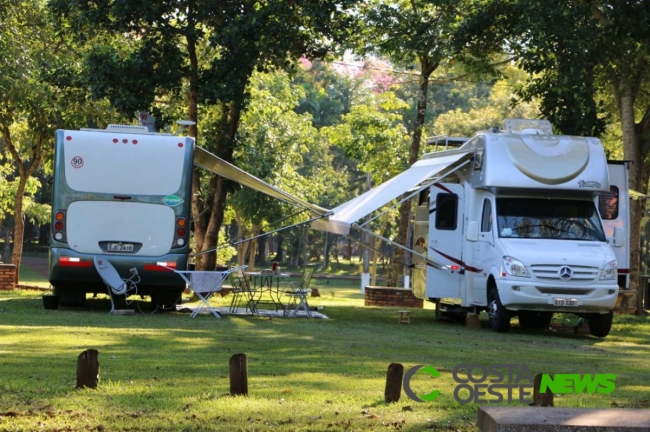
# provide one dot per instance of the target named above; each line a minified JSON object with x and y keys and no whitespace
{"x":486,"y":220}
{"x":608,"y":204}
{"x":446,"y":211}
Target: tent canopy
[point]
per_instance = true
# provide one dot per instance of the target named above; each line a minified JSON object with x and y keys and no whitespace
{"x":430,"y":169}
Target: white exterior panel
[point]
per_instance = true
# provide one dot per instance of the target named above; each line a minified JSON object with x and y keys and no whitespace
{"x":92,"y":222}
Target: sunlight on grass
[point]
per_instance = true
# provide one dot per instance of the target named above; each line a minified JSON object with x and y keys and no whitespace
{"x":167,"y":371}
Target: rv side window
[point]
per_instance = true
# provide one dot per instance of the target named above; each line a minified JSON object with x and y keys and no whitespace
{"x":608,"y":204}
{"x":446,"y":211}
{"x":486,"y":220}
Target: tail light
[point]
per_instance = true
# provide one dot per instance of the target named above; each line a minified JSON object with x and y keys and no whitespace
{"x":59,"y":226}
{"x":160,"y":266}
{"x":180,"y":236}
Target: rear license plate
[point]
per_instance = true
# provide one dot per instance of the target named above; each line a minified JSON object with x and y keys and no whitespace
{"x":120,"y":247}
{"x":565,"y":302}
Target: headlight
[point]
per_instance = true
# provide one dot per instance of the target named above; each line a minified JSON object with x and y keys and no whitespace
{"x":610,"y":272}
{"x":514,"y":267}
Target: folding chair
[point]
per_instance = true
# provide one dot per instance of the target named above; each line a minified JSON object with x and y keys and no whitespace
{"x":242,"y":292}
{"x":114,"y":282}
{"x":298,"y":294}
{"x":204,"y":284}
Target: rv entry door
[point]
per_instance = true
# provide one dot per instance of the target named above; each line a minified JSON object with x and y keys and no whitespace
{"x":446,"y":214}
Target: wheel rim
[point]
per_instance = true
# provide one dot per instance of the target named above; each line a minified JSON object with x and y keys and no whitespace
{"x":492,"y":310}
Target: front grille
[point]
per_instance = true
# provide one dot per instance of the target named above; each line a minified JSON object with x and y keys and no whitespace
{"x":565,"y":291}
{"x":551,"y":273}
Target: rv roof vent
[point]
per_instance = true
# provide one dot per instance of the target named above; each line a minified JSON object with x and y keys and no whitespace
{"x":527,"y":126}
{"x":127,"y":128}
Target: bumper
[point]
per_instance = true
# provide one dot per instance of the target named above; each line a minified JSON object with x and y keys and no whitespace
{"x":532,"y":295}
{"x":81,"y":274}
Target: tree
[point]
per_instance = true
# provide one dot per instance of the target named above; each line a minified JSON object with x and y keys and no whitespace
{"x":215,"y":50}
{"x":408,"y":32}
{"x":31,"y":108}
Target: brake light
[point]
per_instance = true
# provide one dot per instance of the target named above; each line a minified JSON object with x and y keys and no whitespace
{"x":455,"y":267}
{"x":58,"y":226}
{"x":180,"y":232}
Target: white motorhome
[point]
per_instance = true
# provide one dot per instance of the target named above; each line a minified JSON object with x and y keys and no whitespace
{"x":509,"y":223}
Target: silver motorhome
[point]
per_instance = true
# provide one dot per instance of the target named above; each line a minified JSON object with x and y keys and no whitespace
{"x":509,"y":223}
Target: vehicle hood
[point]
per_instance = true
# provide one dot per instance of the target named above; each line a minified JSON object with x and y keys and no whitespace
{"x":569,"y":252}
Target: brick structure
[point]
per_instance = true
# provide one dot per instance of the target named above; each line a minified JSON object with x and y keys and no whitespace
{"x":391,"y":297}
{"x":7,"y":277}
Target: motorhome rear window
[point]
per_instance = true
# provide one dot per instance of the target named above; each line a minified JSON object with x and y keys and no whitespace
{"x":557,"y":219}
{"x":608,"y":204}
{"x":446,"y":211}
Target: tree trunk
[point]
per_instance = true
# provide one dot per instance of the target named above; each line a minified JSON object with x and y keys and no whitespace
{"x":260,"y":258}
{"x":326,"y":253}
{"x":395,"y":269}
{"x":632,"y":151}
{"x":279,"y":249}
{"x":6,"y":252}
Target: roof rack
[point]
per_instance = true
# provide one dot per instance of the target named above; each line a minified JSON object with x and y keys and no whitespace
{"x":446,"y":140}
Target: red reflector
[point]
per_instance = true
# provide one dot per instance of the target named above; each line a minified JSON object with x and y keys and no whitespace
{"x":159,"y":266}
{"x":135,"y":141}
{"x":73,"y":262}
{"x":180,"y":232}
{"x":68,"y":138}
{"x":180,"y":144}
{"x":125,"y":140}
{"x":58,"y":226}
{"x":455,"y":267}
{"x":115,"y":140}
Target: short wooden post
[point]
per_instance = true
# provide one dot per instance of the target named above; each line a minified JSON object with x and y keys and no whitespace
{"x":88,"y":369}
{"x":315,"y":292}
{"x":541,"y":399}
{"x":238,"y":374}
{"x":394,"y":376}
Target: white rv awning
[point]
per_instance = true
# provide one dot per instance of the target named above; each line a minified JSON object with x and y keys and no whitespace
{"x":206,"y":160}
{"x":346,"y":214}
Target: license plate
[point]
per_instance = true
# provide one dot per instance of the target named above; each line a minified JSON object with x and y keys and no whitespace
{"x":120,"y":247}
{"x":565,"y":302}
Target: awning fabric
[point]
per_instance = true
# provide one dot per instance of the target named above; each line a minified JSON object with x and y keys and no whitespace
{"x":346,"y":214}
{"x":206,"y":160}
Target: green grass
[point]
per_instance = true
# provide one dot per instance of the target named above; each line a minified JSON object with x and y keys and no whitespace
{"x":170,"y":372}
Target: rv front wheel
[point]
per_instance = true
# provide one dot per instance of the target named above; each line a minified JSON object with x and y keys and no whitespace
{"x":499,"y":315}
{"x":600,"y":324}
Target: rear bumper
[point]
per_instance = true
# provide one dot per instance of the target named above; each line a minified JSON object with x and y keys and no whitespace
{"x":80,"y":273}
{"x":528,"y":295}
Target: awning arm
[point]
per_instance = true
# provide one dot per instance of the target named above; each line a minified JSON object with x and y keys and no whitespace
{"x":429,"y":261}
{"x":426,"y":185}
{"x":258,"y":236}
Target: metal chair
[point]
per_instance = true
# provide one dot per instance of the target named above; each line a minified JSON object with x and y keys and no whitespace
{"x":242,"y":292}
{"x":115,"y":283}
{"x":298,"y":294}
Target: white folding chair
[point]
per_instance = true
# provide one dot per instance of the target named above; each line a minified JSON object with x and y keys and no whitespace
{"x":115,"y":283}
{"x":204,"y":284}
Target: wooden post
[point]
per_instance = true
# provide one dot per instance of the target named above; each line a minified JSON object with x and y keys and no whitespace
{"x":394,"y":376}
{"x":88,"y":369}
{"x":541,"y":399}
{"x":238,"y":375}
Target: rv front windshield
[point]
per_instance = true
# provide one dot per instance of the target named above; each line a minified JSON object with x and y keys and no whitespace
{"x":557,"y":219}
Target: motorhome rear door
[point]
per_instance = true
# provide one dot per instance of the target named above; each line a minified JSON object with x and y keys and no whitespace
{"x":446,"y":208}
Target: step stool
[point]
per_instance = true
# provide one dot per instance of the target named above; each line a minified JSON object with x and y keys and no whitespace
{"x":404,"y":317}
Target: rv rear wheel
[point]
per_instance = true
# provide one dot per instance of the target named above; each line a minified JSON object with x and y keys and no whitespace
{"x":535,"y":320}
{"x":600,"y":324}
{"x":499,"y":315}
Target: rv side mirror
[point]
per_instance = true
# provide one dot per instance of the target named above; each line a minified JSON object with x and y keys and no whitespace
{"x":472,"y":231}
{"x":619,"y":237}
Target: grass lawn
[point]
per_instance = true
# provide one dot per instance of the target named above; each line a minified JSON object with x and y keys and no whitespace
{"x":166,"y":371}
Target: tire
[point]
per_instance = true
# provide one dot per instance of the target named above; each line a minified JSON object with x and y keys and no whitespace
{"x":534,"y":319}
{"x":600,"y":324}
{"x":499,"y":315}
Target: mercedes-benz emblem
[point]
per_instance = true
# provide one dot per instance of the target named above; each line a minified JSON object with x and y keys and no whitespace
{"x":565,"y":273}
